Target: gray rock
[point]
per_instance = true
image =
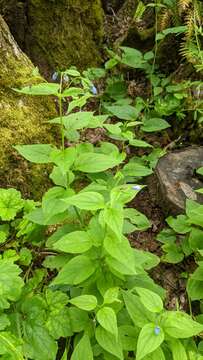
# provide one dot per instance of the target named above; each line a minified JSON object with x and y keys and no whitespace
{"x":177,"y":179}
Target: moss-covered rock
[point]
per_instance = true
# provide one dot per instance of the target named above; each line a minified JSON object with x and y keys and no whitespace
{"x":22,"y":118}
{"x":57,"y":33}
{"x":65,"y":32}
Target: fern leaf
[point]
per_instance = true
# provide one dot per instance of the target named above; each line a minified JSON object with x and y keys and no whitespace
{"x":165,"y":19}
{"x":183,"y":5}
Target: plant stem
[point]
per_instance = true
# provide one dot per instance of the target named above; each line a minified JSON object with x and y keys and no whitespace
{"x":61,"y":113}
{"x":156,"y":42}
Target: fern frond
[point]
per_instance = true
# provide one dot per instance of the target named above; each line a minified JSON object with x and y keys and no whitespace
{"x":189,"y":50}
{"x":197,"y":11}
{"x":165,"y":19}
{"x":189,"y":22}
{"x":183,"y":5}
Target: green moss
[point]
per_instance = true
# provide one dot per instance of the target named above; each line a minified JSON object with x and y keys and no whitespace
{"x":22,"y":121}
{"x":22,"y":118}
{"x":64,"y":33}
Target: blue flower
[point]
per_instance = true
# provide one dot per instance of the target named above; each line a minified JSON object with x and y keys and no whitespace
{"x":66,"y":78}
{"x":93,"y":90}
{"x":54,"y":76}
{"x":157,"y":330}
{"x":136,"y":187}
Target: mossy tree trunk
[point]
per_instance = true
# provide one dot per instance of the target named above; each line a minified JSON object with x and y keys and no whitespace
{"x":57,"y":33}
{"x":21,"y":117}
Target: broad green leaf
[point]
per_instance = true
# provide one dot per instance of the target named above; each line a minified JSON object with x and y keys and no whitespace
{"x":180,"y":224}
{"x":52,"y":208}
{"x":150,"y":300}
{"x":38,"y":344}
{"x":178,"y":324}
{"x":132,"y":57}
{"x":137,"y":218}
{"x":107,"y":319}
{"x":195,"y":238}
{"x":10,"y":203}
{"x":174,"y":30}
{"x":72,"y":72}
{"x":72,"y":91}
{"x":56,"y":261}
{"x":59,"y":177}
{"x":79,"y":319}
{"x":136,"y":309}
{"x":25,"y":256}
{"x":87,"y":200}
{"x":124,"y":112}
{"x":75,"y":271}
{"x":150,"y":338}
{"x":155,"y":355}
{"x":95,"y":162}
{"x":60,"y":232}
{"x":200,"y":171}
{"x":58,"y":323}
{"x":40,"y":89}
{"x":36,"y":153}
{"x":11,"y":346}
{"x":121,"y":251}
{"x":111,"y":63}
{"x":145,"y":259}
{"x":52,"y":202}
{"x":78,"y":102}
{"x":4,"y":321}
{"x":113,"y":217}
{"x":194,"y":211}
{"x":178,"y":349}
{"x":195,"y":288}
{"x":56,"y":299}
{"x":10,"y":282}
{"x":75,"y":121}
{"x":83,"y":350}
{"x":63,"y":158}
{"x":154,"y":124}
{"x":120,"y":268}
{"x":38,"y":217}
{"x":135,"y":169}
{"x":113,"y":128}
{"x":139,"y":143}
{"x":108,"y":342}
{"x":84,"y":302}
{"x":74,"y":242}
{"x":111,"y":295}
{"x":94,"y":73}
{"x":128,"y":335}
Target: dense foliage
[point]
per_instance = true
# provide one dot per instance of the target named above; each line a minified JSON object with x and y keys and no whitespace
{"x":71,"y":285}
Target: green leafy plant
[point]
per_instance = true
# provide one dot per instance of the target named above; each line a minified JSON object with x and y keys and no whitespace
{"x":76,"y":289}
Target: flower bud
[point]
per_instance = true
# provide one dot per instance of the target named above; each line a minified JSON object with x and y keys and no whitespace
{"x":54,"y":76}
{"x":93,"y":90}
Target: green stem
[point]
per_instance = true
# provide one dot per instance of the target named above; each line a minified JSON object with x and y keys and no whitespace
{"x":156,"y":42}
{"x":190,"y":306}
{"x":68,"y":345}
{"x":61,"y":114}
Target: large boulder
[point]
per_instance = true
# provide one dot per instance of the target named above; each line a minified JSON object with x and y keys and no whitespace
{"x":177,"y":179}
